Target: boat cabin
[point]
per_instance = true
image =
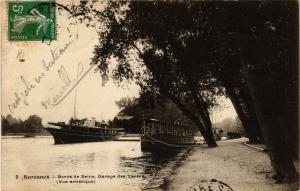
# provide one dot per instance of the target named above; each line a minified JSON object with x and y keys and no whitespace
{"x":168,"y":132}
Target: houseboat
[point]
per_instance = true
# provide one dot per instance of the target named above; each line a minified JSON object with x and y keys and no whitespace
{"x":158,"y":136}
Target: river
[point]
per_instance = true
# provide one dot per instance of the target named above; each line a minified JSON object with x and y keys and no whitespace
{"x":37,"y":164}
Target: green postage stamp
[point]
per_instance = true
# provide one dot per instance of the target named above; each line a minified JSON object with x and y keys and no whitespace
{"x":31,"y":21}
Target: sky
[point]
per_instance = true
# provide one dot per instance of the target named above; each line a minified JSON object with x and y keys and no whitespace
{"x":30,"y":85}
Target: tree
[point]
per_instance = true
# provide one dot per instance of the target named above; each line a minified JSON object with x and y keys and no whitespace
{"x":124,"y":35}
{"x":32,"y":124}
{"x":264,"y":47}
{"x":4,"y":125}
{"x":165,"y":78}
{"x":248,"y":49}
{"x":163,"y":110}
{"x":12,"y":125}
{"x":267,"y":57}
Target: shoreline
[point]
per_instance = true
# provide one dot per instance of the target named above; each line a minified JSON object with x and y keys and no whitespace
{"x":22,"y":136}
{"x":230,"y":166}
{"x":162,"y":178}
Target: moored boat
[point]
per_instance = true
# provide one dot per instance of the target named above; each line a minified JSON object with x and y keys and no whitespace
{"x":79,"y":131}
{"x":158,"y":136}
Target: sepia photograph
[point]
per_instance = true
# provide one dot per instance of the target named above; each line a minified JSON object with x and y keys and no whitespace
{"x":166,"y":95}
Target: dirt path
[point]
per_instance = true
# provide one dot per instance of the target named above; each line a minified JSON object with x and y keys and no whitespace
{"x":230,"y":166}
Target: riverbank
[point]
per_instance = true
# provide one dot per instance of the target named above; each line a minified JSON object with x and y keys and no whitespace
{"x":22,"y":136}
{"x":230,"y":166}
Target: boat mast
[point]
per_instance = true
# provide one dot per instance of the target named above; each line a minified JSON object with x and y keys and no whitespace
{"x":75,"y":103}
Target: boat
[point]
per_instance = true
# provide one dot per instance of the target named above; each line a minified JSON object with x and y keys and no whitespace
{"x":158,"y":136}
{"x":82,"y":130}
{"x":79,"y":131}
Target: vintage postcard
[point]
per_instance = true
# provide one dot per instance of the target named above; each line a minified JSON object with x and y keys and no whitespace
{"x":149,"y":95}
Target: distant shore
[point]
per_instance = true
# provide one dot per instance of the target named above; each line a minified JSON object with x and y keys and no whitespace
{"x":230,"y":166}
{"x":22,"y":136}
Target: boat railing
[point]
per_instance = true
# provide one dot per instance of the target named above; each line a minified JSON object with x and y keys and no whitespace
{"x":152,"y":128}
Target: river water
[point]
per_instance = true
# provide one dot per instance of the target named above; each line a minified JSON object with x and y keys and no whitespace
{"x":101,"y":166}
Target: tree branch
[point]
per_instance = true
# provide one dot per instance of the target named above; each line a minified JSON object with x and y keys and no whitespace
{"x":181,"y":106}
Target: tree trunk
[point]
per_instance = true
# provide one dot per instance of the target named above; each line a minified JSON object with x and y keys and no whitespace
{"x":238,"y":108}
{"x":207,"y":135}
{"x":203,"y":112}
{"x":274,"y":136}
{"x":245,"y":96}
{"x":291,"y":103}
{"x":290,"y":118}
{"x":263,"y":101}
{"x":210,"y":140}
{"x":206,"y":132}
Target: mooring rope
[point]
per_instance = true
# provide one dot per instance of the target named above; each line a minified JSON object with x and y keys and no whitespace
{"x":168,"y":144}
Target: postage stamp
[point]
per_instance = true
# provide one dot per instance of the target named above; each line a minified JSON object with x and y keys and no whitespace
{"x":31,"y":21}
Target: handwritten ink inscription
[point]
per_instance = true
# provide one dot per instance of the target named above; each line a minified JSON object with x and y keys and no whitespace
{"x":21,"y":97}
{"x":21,"y":55}
{"x":65,"y":88}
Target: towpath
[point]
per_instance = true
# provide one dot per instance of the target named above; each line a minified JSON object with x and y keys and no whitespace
{"x":230,"y":166}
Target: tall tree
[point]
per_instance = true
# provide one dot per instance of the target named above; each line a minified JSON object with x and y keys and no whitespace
{"x":247,"y":48}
